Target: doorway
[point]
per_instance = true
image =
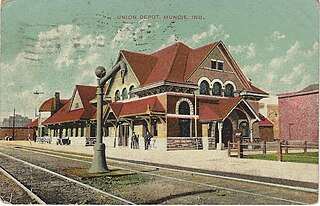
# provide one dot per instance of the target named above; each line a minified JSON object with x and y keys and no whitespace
{"x":227,"y":132}
{"x":123,"y":135}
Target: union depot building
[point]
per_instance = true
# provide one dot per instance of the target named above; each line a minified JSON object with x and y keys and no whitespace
{"x":187,"y":98}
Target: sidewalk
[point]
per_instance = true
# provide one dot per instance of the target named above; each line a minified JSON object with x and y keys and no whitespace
{"x":199,"y":159}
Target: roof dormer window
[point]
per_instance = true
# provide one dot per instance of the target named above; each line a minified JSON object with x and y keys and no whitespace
{"x":217,"y":64}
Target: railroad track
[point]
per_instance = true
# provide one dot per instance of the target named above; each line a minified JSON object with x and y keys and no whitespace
{"x":172,"y":176}
{"x":53,"y":188}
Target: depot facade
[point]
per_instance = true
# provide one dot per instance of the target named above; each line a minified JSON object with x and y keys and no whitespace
{"x":186,"y":98}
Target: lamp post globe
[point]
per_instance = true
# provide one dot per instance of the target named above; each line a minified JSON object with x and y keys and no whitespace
{"x":100,"y":71}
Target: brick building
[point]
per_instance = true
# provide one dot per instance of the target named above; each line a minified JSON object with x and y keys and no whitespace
{"x":186,"y":98}
{"x":19,"y":133}
{"x":268,"y":107}
{"x":299,"y":117}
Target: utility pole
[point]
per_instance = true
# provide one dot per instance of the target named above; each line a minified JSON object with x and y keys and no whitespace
{"x":35,"y":107}
{"x":13,"y":122}
{"x":35,"y":112}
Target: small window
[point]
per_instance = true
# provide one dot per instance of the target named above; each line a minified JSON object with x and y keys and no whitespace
{"x":124,"y":94}
{"x":228,"y":90}
{"x":220,"y":65}
{"x":216,"y":64}
{"x":77,"y":105}
{"x":117,"y":96}
{"x":130,"y":92}
{"x":213,"y":64}
{"x":204,"y":87}
{"x":154,"y":128}
{"x":216,"y":89}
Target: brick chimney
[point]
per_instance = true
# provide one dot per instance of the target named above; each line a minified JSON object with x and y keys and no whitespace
{"x":56,"y":102}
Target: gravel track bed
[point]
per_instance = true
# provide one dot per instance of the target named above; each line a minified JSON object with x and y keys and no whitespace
{"x":12,"y":193}
{"x":146,"y":189}
{"x":52,"y":189}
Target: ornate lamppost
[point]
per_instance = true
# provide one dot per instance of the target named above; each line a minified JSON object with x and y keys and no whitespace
{"x":99,"y":164}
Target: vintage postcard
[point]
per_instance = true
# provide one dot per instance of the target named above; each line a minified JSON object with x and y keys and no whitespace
{"x":179,"y":102}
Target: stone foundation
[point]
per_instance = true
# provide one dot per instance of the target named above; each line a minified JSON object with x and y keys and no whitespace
{"x":184,"y":143}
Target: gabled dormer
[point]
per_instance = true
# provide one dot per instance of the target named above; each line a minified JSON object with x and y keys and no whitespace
{"x":76,"y":102}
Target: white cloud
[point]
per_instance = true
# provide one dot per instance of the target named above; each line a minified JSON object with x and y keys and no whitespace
{"x":123,"y":34}
{"x":313,"y":51}
{"x":249,"y":50}
{"x":171,"y":40}
{"x":198,"y":37}
{"x":277,"y":35}
{"x":252,"y":69}
{"x":213,"y":33}
{"x":278,"y":62}
{"x":294,"y":74}
{"x":67,"y":41}
{"x":270,"y":48}
{"x":270,"y":77}
{"x":294,"y":49}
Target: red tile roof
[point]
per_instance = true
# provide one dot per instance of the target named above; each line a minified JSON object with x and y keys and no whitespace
{"x":176,"y":63}
{"x":216,"y":109}
{"x":196,"y":56}
{"x":136,"y":107}
{"x":34,"y":123}
{"x":264,"y":122}
{"x":257,"y":90}
{"x":64,"y":114}
{"x":47,"y":106}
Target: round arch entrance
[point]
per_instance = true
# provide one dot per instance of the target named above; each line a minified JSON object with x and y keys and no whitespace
{"x":227,"y":132}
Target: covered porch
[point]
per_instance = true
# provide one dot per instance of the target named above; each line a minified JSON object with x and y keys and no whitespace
{"x":227,"y":120}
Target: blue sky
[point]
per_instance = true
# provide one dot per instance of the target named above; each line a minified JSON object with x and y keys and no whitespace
{"x":50,"y":46}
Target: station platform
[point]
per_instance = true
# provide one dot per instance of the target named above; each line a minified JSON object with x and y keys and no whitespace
{"x":209,"y":160}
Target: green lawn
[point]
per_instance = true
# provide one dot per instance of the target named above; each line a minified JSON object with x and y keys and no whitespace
{"x":309,"y":157}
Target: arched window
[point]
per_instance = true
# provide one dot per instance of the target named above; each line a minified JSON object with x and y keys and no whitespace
{"x":184,"y":124}
{"x":130,"y":91}
{"x":228,"y":90}
{"x":204,"y":87}
{"x":184,"y":108}
{"x":124,"y":94}
{"x":117,"y":96}
{"x":244,"y":129}
{"x":216,"y":89}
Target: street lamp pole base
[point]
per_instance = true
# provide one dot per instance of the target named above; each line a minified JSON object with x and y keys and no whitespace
{"x":99,"y":164}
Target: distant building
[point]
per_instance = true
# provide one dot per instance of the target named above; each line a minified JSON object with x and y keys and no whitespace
{"x":48,"y":108}
{"x":268,"y":107}
{"x":19,"y":121}
{"x":265,"y":129}
{"x":299,"y":117}
{"x":18,"y":133}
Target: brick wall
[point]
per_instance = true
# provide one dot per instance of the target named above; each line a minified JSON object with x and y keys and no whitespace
{"x":266,"y":134}
{"x":19,"y":133}
{"x":299,"y":117}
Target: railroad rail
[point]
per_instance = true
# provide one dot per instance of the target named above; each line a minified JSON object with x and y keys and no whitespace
{"x":59,"y":185}
{"x":73,"y":158}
